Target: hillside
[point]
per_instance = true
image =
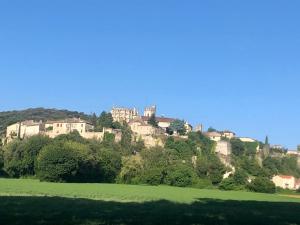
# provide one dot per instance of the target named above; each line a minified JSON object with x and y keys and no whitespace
{"x":10,"y":117}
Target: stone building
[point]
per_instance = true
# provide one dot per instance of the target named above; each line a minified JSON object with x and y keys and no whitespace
{"x":123,"y":114}
{"x":149,"y":111}
{"x":55,"y":128}
{"x":214,"y":136}
{"x":58,"y":127}
{"x":23,"y":129}
{"x":286,"y":182}
{"x":228,"y":134}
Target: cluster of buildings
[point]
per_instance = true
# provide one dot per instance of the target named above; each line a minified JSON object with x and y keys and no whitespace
{"x":52,"y":129}
{"x":152,"y":136}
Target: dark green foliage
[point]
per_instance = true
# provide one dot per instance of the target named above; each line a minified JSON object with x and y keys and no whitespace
{"x":251,"y":148}
{"x":155,"y":166}
{"x":228,"y":184}
{"x":267,"y":140}
{"x":262,"y":184}
{"x":109,"y":164}
{"x":20,"y":156}
{"x":210,"y":166}
{"x":237,"y":146}
{"x":236,"y":182}
{"x":178,"y":126}
{"x":154,"y":176}
{"x":1,"y":161}
{"x":152,"y":121}
{"x":126,"y":139}
{"x":211,"y":129}
{"x":240,"y":177}
{"x":73,"y":136}
{"x":108,"y":139}
{"x":105,"y":120}
{"x":203,"y":145}
{"x":61,"y":161}
{"x":183,"y":148}
{"x":180,"y":175}
{"x":131,"y":171}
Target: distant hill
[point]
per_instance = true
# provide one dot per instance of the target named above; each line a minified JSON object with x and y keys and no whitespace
{"x":9,"y":117}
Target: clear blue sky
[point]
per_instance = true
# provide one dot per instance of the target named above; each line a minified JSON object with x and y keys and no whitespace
{"x":227,"y":64}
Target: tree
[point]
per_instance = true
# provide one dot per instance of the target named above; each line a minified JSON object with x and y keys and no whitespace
{"x":267,"y":140}
{"x":180,"y":175}
{"x":152,"y":121}
{"x":298,"y":148}
{"x":94,"y":119}
{"x":105,"y":120}
{"x":61,"y":161}
{"x":211,"y":129}
{"x":109,"y":164}
{"x":131,"y":170}
{"x":263,"y":185}
{"x":240,"y":177}
{"x":72,"y":136}
{"x":20,"y":156}
{"x":178,"y":126}
{"x":237,"y":147}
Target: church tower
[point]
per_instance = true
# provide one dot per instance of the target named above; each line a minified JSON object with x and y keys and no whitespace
{"x":149,"y":111}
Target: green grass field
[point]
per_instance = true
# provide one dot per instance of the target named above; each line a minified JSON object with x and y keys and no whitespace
{"x":33,"y":202}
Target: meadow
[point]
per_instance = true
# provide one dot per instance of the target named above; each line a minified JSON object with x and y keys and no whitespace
{"x":70,"y":203}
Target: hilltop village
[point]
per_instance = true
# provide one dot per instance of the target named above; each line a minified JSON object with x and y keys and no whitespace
{"x":153,"y":131}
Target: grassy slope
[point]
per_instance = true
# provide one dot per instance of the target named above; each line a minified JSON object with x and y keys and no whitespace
{"x":32,"y":201}
{"x":119,"y":192}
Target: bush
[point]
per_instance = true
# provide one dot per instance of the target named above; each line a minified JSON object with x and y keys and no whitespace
{"x":20,"y":156}
{"x":61,"y":162}
{"x":202,"y":183}
{"x":109,"y":164}
{"x":240,"y":177}
{"x":131,"y":170}
{"x":153,"y":176}
{"x":180,"y":175}
{"x":228,"y":184}
{"x":263,"y":185}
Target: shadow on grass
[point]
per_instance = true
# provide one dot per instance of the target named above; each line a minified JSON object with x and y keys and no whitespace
{"x":56,"y":210}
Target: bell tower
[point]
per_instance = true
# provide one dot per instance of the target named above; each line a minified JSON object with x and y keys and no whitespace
{"x":149,"y":111}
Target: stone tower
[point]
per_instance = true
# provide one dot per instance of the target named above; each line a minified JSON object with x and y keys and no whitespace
{"x":149,"y":111}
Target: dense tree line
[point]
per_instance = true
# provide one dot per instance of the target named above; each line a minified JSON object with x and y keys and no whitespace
{"x":182,"y":162}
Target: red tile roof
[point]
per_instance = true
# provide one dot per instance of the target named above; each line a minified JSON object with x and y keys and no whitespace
{"x":286,"y":177}
{"x":160,"y":119}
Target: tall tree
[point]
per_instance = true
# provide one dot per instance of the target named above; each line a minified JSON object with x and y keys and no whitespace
{"x":267,"y":140}
{"x":152,"y":121}
{"x":178,"y":126}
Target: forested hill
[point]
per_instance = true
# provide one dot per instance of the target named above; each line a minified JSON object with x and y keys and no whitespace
{"x":10,"y":117}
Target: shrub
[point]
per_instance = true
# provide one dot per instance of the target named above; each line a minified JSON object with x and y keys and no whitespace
{"x":109,"y":164}
{"x":240,"y":177}
{"x":153,"y":176}
{"x":228,"y":184}
{"x":20,"y":156}
{"x":61,"y":161}
{"x":180,"y":175}
{"x":263,"y":185}
{"x":131,"y":170}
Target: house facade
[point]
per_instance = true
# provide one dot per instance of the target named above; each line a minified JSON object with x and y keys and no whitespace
{"x":286,"y":182}
{"x":23,"y":129}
